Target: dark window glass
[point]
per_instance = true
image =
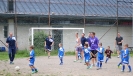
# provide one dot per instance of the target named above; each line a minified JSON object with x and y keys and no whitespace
{"x":5,"y":31}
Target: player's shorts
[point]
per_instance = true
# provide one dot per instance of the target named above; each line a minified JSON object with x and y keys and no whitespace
{"x":125,"y":62}
{"x":101,"y":59}
{"x":94,"y":52}
{"x":79,"y":49}
{"x":48,"y":48}
{"x":87,"y":59}
{"x":31,"y":63}
{"x":118,"y":47}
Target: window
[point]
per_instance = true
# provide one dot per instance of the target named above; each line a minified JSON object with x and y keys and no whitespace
{"x":5,"y":31}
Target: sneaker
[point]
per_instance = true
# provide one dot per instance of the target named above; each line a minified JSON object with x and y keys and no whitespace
{"x":75,"y":60}
{"x":48,"y":57}
{"x":98,"y":68}
{"x":89,"y":67}
{"x":61,"y":64}
{"x":36,"y":71}
{"x":122,"y":70}
{"x":118,"y":56}
{"x":33,"y":72}
{"x":119,"y":66}
{"x":129,"y":71}
{"x":11,"y":62}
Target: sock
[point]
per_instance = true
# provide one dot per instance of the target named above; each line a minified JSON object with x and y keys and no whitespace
{"x":32,"y":69}
{"x":129,"y":67}
{"x":123,"y":67}
{"x":61,"y":60}
{"x":107,"y":59}
{"x":100,"y":64}
{"x":35,"y":69}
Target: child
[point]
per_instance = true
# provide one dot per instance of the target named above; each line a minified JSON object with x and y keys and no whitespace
{"x":87,"y":56}
{"x":126,"y":58}
{"x":121,"y":53}
{"x":100,"y":56}
{"x":32,"y":60}
{"x":61,"y":53}
{"x":108,"y":54}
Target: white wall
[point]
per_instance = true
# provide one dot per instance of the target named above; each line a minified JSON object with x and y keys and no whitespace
{"x":69,"y":40}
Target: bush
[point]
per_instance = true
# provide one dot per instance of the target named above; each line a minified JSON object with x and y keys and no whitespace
{"x":39,"y":38}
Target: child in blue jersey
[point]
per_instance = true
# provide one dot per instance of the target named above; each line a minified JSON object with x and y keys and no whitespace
{"x":61,"y":53}
{"x":126,"y":58}
{"x":100,"y":56}
{"x":87,"y":56}
{"x":121,"y":55}
{"x":32,"y":60}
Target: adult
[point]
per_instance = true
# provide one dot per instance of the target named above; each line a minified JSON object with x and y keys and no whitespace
{"x":93,"y":43}
{"x":77,"y":47}
{"x":83,"y":41}
{"x":49,"y":42}
{"x":89,"y":35}
{"x":12,"y":45}
{"x":118,"y":44}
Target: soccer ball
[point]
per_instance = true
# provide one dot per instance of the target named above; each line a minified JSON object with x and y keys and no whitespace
{"x":17,"y":68}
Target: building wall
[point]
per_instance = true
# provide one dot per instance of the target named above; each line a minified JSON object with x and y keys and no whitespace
{"x":69,"y":35}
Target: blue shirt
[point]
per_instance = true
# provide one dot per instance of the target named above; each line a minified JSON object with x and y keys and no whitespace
{"x":32,"y":55}
{"x":86,"y":52}
{"x":126,"y":54}
{"x":100,"y":52}
{"x":11,"y":42}
{"x":49,"y":41}
{"x":83,"y":40}
{"x":61,"y":51}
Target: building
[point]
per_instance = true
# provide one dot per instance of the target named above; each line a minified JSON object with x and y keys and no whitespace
{"x":18,"y":16}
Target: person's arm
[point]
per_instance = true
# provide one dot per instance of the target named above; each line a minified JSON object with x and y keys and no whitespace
{"x":115,"y":41}
{"x":7,"y":42}
{"x":121,"y":40}
{"x":52,"y":43}
{"x":45,"y":42}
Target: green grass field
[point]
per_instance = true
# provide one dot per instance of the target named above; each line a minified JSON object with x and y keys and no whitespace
{"x":25,"y":53}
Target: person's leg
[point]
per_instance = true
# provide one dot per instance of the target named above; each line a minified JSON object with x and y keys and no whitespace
{"x":61,"y":60}
{"x":76,"y":54}
{"x":118,"y":51}
{"x":13,"y":54}
{"x":129,"y":67}
{"x":49,"y":51}
{"x":95,"y":53}
{"x":123,"y":67}
{"x":107,"y":58}
{"x":100,"y":64}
